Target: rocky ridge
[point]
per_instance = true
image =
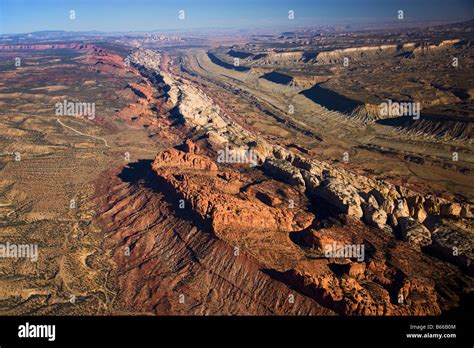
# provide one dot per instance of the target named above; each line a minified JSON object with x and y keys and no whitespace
{"x":237,"y":204}
{"x":377,"y":203}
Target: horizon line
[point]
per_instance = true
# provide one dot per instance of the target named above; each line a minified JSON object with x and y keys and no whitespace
{"x":402,"y":25}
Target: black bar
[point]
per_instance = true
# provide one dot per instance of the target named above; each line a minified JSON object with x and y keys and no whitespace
{"x":225,"y":330}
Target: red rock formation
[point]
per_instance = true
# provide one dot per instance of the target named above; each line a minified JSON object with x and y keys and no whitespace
{"x":176,"y":158}
{"x":191,"y":147}
{"x":167,"y":265}
{"x":215,"y":198}
{"x":249,"y":216}
{"x":142,"y":91}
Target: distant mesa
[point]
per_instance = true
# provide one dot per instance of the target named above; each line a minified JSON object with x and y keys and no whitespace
{"x":277,"y":77}
{"x":239,"y":54}
{"x":226,"y":65}
{"x":331,"y":100}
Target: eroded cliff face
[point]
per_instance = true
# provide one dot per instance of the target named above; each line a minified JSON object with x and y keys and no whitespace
{"x":220,"y":228}
{"x":221,"y":197}
{"x":170,"y":262}
{"x":194,"y":235}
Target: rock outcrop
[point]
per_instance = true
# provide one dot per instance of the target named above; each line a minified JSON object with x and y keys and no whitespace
{"x":413,"y":232}
{"x":181,"y":159}
{"x":284,"y":171}
{"x":373,"y":214}
{"x":455,"y":243}
{"x":216,"y":195}
{"x":378,"y":202}
{"x":341,"y":196}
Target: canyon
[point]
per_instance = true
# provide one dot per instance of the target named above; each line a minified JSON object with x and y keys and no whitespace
{"x":135,"y":211}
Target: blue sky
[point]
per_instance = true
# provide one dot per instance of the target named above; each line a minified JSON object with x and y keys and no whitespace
{"x":20,"y":16}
